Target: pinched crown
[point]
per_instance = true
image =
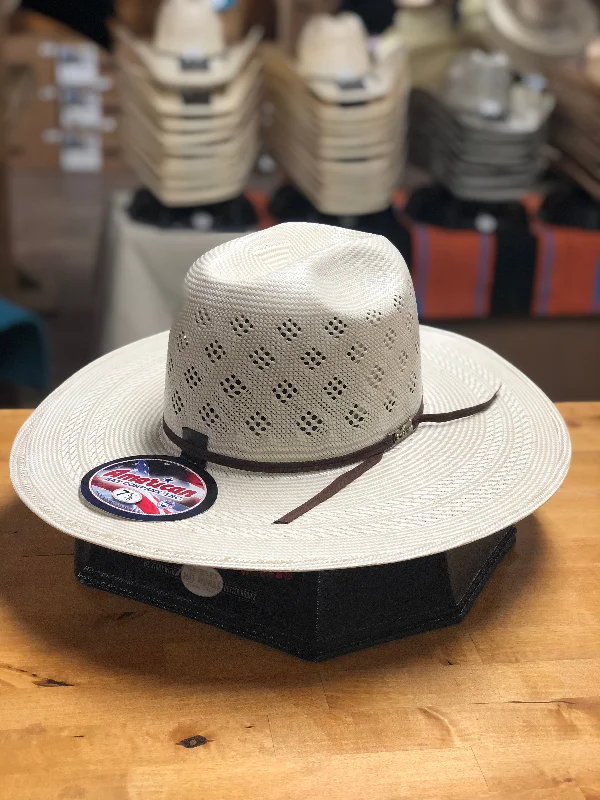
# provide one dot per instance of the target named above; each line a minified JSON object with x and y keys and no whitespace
{"x":296,"y":343}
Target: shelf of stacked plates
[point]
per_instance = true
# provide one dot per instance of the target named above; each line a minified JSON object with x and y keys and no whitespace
{"x":190,"y":117}
{"x":336,"y":118}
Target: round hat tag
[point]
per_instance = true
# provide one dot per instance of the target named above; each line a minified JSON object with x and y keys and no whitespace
{"x":202,"y":581}
{"x":150,"y":488}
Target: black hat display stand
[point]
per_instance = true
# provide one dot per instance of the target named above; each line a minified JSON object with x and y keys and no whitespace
{"x":313,"y":615}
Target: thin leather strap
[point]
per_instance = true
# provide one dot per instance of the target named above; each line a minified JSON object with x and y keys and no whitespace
{"x":450,"y":416}
{"x":349,"y":477}
{"x":333,"y":488}
{"x":195,"y":446}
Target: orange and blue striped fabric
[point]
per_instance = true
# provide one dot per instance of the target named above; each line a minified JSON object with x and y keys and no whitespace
{"x":567,"y":272}
{"x":453,"y":272}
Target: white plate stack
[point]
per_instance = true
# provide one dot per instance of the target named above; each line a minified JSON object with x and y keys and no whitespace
{"x":190,"y":105}
{"x":338,"y":114}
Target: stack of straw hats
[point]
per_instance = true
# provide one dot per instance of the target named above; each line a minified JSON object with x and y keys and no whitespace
{"x":537,"y":33}
{"x":434,"y":36}
{"x":483,"y":136}
{"x":575,"y":125}
{"x":339,"y":114}
{"x":190,"y":105}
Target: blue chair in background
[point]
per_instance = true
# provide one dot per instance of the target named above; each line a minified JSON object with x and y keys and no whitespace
{"x":24,"y":353}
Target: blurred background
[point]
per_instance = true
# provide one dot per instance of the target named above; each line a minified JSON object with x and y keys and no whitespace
{"x":137,"y":134}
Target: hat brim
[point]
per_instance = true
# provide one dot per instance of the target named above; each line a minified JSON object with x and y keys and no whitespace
{"x":446,"y":485}
{"x":576,"y":29}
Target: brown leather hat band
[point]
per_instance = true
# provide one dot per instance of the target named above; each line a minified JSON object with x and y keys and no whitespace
{"x":195,"y":446}
{"x":348,"y":477}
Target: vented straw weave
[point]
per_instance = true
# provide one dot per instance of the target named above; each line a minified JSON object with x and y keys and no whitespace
{"x":279,"y":312}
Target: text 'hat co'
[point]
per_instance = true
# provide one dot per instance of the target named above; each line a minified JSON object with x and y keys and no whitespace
{"x":297,"y":387}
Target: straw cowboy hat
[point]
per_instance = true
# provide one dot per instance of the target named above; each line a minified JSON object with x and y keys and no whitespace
{"x":551,"y":28}
{"x":201,"y":66}
{"x":189,"y":27}
{"x":334,"y":431}
{"x":334,"y":48}
{"x":592,"y":60}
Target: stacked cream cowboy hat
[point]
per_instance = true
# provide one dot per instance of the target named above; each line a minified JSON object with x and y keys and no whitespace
{"x":433,"y":37}
{"x":537,"y":33}
{"x":190,"y":105}
{"x":339,"y":112}
{"x":339,"y":431}
{"x":575,"y":125}
{"x":482,"y":135}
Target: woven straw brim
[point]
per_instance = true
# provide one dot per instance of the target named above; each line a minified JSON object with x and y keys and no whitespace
{"x":166,"y":69}
{"x":446,"y":485}
{"x":172,"y":103}
{"x":578,"y":26}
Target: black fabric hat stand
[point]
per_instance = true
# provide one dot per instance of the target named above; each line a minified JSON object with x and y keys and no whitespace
{"x":233,"y":215}
{"x":312,"y":615}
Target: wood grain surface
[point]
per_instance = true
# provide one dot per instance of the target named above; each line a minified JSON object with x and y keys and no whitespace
{"x":102,"y":698}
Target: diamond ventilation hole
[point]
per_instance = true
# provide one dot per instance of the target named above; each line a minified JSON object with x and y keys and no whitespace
{"x":182,"y":341}
{"x":262,"y":358}
{"x":309,"y":423}
{"x":356,"y":416}
{"x":313,"y":358}
{"x":258,"y":423}
{"x":390,"y":401}
{"x":390,"y":338}
{"x":241,"y":325}
{"x":417,"y":348}
{"x":403,"y":359}
{"x":397,"y":301}
{"x":214,"y":351}
{"x":357,"y":352}
{"x":233,"y":386}
{"x":289,"y":330}
{"x":176,"y":402}
{"x":209,"y":415}
{"x":412,"y":383}
{"x":192,"y":377}
{"x":202,"y":317}
{"x":376,"y":376}
{"x":335,"y":327}
{"x":335,"y":388}
{"x":374,"y":317}
{"x":170,"y":366}
{"x":284,"y":391}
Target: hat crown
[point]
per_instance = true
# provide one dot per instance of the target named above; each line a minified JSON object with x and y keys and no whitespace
{"x":297,"y":343}
{"x":334,"y":47}
{"x":189,"y":26}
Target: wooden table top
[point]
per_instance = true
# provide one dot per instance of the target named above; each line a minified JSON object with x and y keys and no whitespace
{"x":97,"y":691}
